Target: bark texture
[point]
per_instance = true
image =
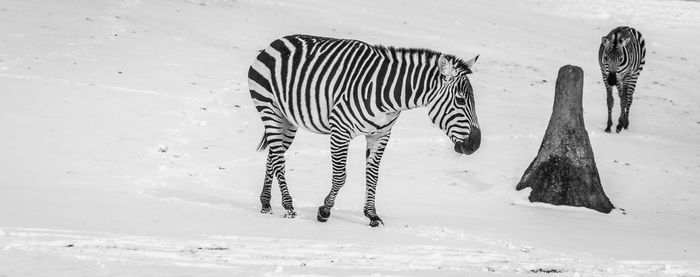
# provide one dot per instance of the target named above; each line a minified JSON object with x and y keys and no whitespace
{"x":564,"y":171}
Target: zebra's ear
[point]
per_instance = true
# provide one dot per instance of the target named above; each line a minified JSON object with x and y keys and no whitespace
{"x":447,"y":69}
{"x":605,"y":40}
{"x":470,"y":63}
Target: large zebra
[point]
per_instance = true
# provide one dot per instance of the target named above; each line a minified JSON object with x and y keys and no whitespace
{"x":345,"y":88}
{"x":621,"y":58}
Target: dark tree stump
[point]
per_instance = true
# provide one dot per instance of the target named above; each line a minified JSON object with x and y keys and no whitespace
{"x":564,"y":171}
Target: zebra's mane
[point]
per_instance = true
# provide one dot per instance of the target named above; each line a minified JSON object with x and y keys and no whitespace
{"x":461,"y":64}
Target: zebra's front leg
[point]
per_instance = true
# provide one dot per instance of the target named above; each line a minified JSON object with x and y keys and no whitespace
{"x":375,"y":149}
{"x":611,"y":103}
{"x":623,"y":106}
{"x":339,"y":154}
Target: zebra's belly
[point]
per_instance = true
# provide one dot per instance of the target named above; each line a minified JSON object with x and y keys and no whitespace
{"x":309,"y":111}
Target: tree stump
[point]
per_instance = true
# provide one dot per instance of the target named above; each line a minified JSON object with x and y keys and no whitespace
{"x":564,"y":171}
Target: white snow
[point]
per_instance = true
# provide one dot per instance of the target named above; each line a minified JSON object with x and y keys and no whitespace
{"x":128,"y":144}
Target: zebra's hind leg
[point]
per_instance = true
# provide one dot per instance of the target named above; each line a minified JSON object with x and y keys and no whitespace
{"x":611,"y":103}
{"x":287,"y":139}
{"x":629,"y":96}
{"x":280,"y":139}
{"x":375,"y":149}
{"x":265,"y":195}
{"x":626,"y":112}
{"x":339,"y":154}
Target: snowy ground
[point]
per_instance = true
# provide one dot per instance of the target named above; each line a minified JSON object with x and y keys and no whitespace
{"x":128,"y":141}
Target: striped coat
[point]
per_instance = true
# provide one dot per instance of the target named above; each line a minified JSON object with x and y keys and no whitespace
{"x":621,"y":58}
{"x":346,"y":88}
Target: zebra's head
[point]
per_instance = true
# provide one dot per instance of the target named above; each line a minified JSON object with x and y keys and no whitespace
{"x":613,"y":58}
{"x":452,"y":109}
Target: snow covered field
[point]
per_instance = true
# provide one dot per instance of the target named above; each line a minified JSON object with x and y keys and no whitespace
{"x":128,"y":144}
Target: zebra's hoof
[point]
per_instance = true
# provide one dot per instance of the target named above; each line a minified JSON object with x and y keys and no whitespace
{"x":607,"y":130}
{"x":618,"y":128}
{"x":290,"y":214}
{"x":375,"y":222}
{"x":323,"y":214}
{"x":266,"y":209}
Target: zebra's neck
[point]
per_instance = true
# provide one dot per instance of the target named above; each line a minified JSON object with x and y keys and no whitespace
{"x":407,"y":78}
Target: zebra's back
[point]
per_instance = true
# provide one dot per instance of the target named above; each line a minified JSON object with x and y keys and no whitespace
{"x":303,"y":76}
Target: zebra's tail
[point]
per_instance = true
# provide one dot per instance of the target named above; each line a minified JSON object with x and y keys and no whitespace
{"x":263,"y":143}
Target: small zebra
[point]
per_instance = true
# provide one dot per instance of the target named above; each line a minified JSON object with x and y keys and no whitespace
{"x":621,"y":58}
{"x":345,"y":88}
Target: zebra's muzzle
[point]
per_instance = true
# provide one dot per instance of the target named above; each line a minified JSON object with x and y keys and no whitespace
{"x":612,"y":79}
{"x":471,"y":144}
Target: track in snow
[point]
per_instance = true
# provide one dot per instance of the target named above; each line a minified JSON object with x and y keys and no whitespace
{"x":234,"y":252}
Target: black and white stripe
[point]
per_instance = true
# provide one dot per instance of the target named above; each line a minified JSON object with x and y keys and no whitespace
{"x":345,"y":88}
{"x":621,"y":58}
